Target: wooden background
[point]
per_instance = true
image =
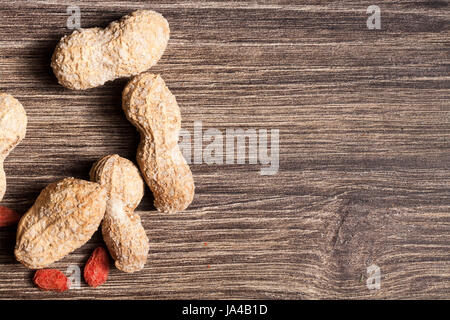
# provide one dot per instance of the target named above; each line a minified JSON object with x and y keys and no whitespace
{"x":364,"y":122}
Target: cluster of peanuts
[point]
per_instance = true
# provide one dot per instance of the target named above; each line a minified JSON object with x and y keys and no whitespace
{"x":67,"y":213}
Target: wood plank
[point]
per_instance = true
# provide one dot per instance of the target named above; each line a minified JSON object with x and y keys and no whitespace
{"x":364,"y":126}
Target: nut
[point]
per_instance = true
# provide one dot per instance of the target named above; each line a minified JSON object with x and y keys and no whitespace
{"x":13,"y":126}
{"x":64,"y":217}
{"x":90,"y":57}
{"x":153,"y":110}
{"x":122,"y":230}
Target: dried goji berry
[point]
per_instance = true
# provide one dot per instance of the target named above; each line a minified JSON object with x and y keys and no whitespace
{"x":8,"y":217}
{"x":51,"y":280}
{"x":97,"y":268}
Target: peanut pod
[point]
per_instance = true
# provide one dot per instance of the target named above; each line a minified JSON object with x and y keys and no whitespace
{"x":64,"y":217}
{"x":153,"y":110}
{"x":89,"y":57}
{"x":13,"y":127}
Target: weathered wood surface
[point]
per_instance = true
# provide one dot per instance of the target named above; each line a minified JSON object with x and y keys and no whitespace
{"x":364,"y":122}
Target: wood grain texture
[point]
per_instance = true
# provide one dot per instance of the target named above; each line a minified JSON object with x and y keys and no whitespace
{"x":364,"y":122}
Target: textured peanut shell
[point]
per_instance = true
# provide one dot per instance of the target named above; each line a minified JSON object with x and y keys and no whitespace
{"x":122,"y":229}
{"x":64,"y":217}
{"x":13,"y":127}
{"x":153,"y":110}
{"x":89,"y":57}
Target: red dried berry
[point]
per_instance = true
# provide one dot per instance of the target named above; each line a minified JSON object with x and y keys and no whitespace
{"x":97,"y":268}
{"x":8,"y":217}
{"x":51,"y":280}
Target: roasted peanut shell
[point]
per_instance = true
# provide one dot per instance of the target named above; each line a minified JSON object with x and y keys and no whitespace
{"x":13,"y":127}
{"x":90,"y":57}
{"x":122,"y":229}
{"x":153,"y":110}
{"x":64,"y":217}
